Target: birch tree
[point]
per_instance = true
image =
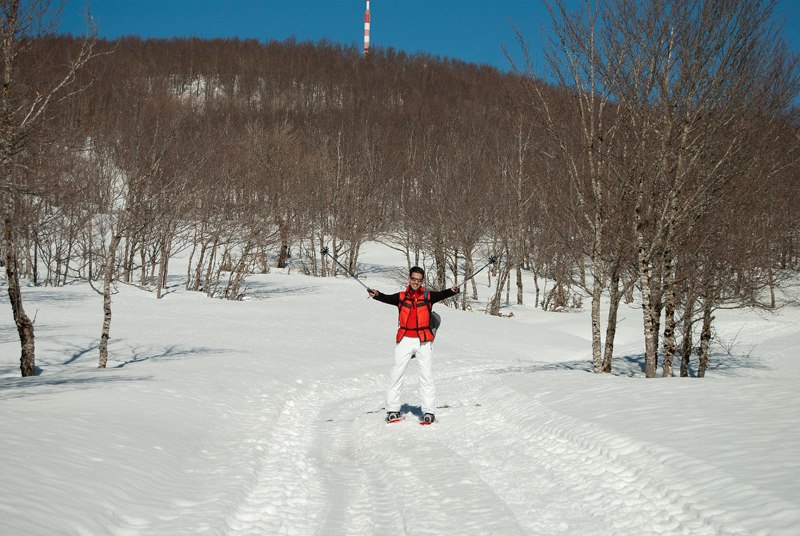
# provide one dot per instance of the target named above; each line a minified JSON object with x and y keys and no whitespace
{"x":695,"y":79}
{"x":580,"y":63}
{"x":136,"y":184}
{"x":688,"y":79}
{"x":23,"y":108}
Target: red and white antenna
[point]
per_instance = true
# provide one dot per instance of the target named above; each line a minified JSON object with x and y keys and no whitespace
{"x":366,"y":30}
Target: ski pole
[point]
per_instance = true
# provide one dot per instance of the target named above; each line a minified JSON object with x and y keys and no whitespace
{"x":492,"y":260}
{"x":325,"y":251}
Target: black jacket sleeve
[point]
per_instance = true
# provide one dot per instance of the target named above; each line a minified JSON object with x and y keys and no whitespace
{"x":391,"y":299}
{"x":437,"y":296}
{"x":434,"y":296}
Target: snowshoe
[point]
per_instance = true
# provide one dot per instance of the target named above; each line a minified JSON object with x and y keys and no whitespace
{"x":428,"y":418}
{"x":393,"y":417}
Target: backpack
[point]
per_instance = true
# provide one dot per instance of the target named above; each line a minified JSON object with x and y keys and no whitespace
{"x":436,"y":321}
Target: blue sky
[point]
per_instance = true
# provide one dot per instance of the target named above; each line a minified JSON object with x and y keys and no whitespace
{"x":469,"y":30}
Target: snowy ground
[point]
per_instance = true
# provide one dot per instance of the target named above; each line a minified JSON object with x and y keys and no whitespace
{"x":265,"y":417}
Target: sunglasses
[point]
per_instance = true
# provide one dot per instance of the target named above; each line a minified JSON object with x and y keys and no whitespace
{"x":417,"y":279}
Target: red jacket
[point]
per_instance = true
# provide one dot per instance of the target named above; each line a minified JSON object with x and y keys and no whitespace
{"x":415,"y":315}
{"x":414,"y":310}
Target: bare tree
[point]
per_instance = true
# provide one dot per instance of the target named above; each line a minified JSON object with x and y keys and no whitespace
{"x":618,"y":173}
{"x":22,"y":112}
{"x":137,"y":180}
{"x":580,"y":63}
{"x":687,"y":79}
{"x":706,"y":71}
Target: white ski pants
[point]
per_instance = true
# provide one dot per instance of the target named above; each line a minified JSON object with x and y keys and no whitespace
{"x":407,"y":349}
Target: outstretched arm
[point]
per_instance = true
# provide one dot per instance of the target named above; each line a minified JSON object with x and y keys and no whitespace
{"x":436,"y":296}
{"x":391,"y":299}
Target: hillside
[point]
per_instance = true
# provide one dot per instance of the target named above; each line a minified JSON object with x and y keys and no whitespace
{"x":265,"y":416}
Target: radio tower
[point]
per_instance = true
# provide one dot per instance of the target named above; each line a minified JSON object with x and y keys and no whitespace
{"x":366,"y":30}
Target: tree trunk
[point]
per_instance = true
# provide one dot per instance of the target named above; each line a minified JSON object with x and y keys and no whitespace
{"x":669,"y":317}
{"x":163,"y":265}
{"x":108,"y":275}
{"x":657,"y":304}
{"x":36,"y":264}
{"x":705,"y":338}
{"x":208,"y":279}
{"x":508,"y":290}
{"x":27,"y":360}
{"x":771,"y":276}
{"x":440,"y":256}
{"x":189,"y":262}
{"x":143,"y":260}
{"x":67,"y":262}
{"x":238,"y":274}
{"x":494,"y":303}
{"x":473,"y":283}
{"x":650,"y":333}
{"x":597,"y":356}
{"x":128,"y":264}
{"x":611,"y":328}
{"x":686,"y":342}
{"x":352,"y":258}
{"x":283,"y":252}
{"x":536,"y":284}
{"x":597,"y":292}
{"x":198,"y":269}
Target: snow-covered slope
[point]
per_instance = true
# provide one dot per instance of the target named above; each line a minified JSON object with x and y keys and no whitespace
{"x":265,"y":417}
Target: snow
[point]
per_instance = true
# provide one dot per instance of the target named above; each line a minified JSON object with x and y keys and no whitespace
{"x":265,"y":417}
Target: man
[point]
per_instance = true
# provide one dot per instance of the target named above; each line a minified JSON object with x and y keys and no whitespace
{"x":414,"y":340}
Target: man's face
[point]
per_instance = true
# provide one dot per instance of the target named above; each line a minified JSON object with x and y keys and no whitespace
{"x":415,"y":280}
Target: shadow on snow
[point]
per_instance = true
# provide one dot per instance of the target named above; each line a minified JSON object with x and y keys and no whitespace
{"x":633,"y":365}
{"x":11,"y":388}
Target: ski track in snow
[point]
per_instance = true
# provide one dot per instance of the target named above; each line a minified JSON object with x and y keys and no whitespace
{"x":332,"y":466}
{"x":297,"y":445}
{"x":285,"y":497}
